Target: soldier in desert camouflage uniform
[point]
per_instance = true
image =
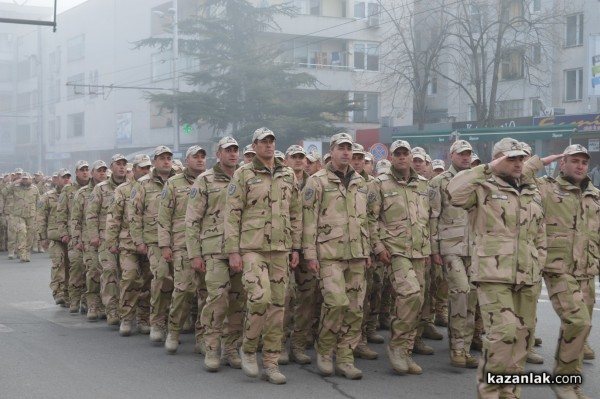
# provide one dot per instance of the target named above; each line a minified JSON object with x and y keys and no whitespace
{"x":336,"y":246}
{"x":572,"y":214}
{"x":135,"y":278}
{"x":25,"y":197}
{"x":9,"y":212}
{"x":263,"y":223}
{"x":222,"y":315}
{"x":509,"y":253}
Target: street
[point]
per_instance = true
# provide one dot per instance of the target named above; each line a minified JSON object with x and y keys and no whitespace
{"x":45,"y":352}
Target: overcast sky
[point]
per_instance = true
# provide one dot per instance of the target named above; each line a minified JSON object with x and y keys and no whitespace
{"x":62,"y":5}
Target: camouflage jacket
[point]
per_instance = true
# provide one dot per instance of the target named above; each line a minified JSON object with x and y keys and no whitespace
{"x":205,"y":214}
{"x":42,"y":187}
{"x":98,"y":202}
{"x":508,"y":223}
{"x":171,"y":211}
{"x":46,"y":215}
{"x":399,"y":215}
{"x":335,"y":217}
{"x":263,"y":211}
{"x":24,"y":200}
{"x":77,"y":222}
{"x":448,"y":224}
{"x":572,"y":216}
{"x":7,"y":199}
{"x":64,"y":206}
{"x":117,"y":232}
{"x":143,"y":209}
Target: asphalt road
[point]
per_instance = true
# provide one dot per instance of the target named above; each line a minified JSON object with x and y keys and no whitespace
{"x":47,"y":353}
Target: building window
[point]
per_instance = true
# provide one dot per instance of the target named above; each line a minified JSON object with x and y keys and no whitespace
{"x":366,"y":108}
{"x":537,"y":107}
{"x":366,"y":56}
{"x":509,"y":109}
{"x":364,"y":9}
{"x":75,"y":125}
{"x":536,"y":53}
{"x":76,"y":48}
{"x":574,"y":84}
{"x":161,"y":66}
{"x":76,"y":87}
{"x":536,"y":5}
{"x":308,"y":7}
{"x":574,"y":30}
{"x":432,"y":86}
{"x":511,"y":66}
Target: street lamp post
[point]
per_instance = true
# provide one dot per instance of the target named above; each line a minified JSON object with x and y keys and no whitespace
{"x":175,"y":75}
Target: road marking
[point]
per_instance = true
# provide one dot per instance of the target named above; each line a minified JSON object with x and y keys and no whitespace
{"x":33,"y":305}
{"x":5,"y":329}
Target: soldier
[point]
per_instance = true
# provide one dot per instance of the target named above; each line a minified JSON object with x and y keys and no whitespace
{"x":336,"y":246}
{"x":76,"y":272}
{"x":204,"y":219}
{"x":25,"y":197}
{"x":399,"y":227}
{"x":130,"y":175}
{"x":50,"y":239}
{"x":369,"y":166}
{"x":263,"y":224}
{"x":143,"y":222}
{"x":78,"y":230}
{"x":438,"y":166}
{"x":249,"y":154}
{"x":475,"y":161}
{"x":419,"y":162}
{"x":313,"y":162}
{"x":451,"y":244}
{"x":326,"y":159}
{"x":9,"y":210}
{"x":134,"y":283}
{"x":100,"y":199}
{"x":171,"y":240}
{"x":572,"y":213}
{"x":509,"y":252}
{"x":382,"y":166}
{"x":3,"y":215}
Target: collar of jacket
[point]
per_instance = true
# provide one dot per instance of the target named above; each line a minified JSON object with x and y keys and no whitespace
{"x":587,"y":188}
{"x":414,"y":176}
{"x":258,"y":166}
{"x":155,"y":175}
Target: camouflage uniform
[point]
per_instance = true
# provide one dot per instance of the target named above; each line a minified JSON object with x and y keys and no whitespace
{"x":95,"y":214}
{"x":336,"y":234}
{"x":263,"y":222}
{"x":222,"y":315}
{"x":23,"y":217}
{"x":509,"y":252}
{"x":452,"y":239}
{"x":48,"y":230}
{"x":143,"y":222}
{"x":3,"y":219}
{"x":572,"y":216}
{"x":399,"y":223}
{"x":135,"y":278}
{"x":9,"y":211}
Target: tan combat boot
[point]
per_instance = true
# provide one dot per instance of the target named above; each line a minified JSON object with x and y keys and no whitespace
{"x":348,"y":370}
{"x":325,"y":364}
{"x":212,"y":360}
{"x":274,"y":376}
{"x":441,"y":319}
{"x":112,"y":319}
{"x":157,"y":333}
{"x":534,"y":358}
{"x":579,"y":392}
{"x":92,"y":314}
{"x":430,"y":332}
{"x":421,"y":348}
{"x":471,"y":361}
{"x":363,"y":351}
{"x":74,"y":307}
{"x":413,"y":367}
{"x":588,"y":352}
{"x":199,"y":346}
{"x":125,"y":328}
{"x":299,"y":356}
{"x":375,"y":338}
{"x":171,"y":343}
{"x":143,"y":327}
{"x":399,"y":359}
{"x":457,"y":358}
{"x":564,"y":391}
{"x":249,"y":365}
{"x":232,"y":358}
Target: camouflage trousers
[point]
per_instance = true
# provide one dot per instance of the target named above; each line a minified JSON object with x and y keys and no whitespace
{"x":93,"y":271}
{"x":372,"y":304}
{"x":198,"y":306}
{"x":186,"y":281}
{"x":3,"y":233}
{"x":407,"y":281}
{"x":427,"y":310}
{"x":11,"y":234}
{"x":573,"y":301}
{"x":508,"y":313}
{"x":109,"y":280}
{"x":305,"y":292}
{"x":462,"y":300}
{"x":161,"y":287}
{"x":289,"y":304}
{"x":59,"y":274}
{"x":24,"y":235}
{"x":76,"y":273}
{"x":343,"y":287}
{"x":265,"y":280}
{"x":134,"y":286}
{"x":386,"y":307}
{"x":223,"y":313}
{"x":439,"y":290}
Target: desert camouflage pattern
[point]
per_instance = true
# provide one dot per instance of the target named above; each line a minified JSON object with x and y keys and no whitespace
{"x":22,"y":221}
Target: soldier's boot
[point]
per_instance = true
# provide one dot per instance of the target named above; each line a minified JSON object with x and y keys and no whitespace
{"x":534,"y":358}
{"x":413,"y":367}
{"x":325,"y":364}
{"x":538,"y":341}
{"x":422,"y":348}
{"x":298,"y":355}
{"x":92,"y":314}
{"x":157,"y":333}
{"x":125,"y":328}
{"x":348,"y":370}
{"x":112,"y":319}
{"x":188,"y":326}
{"x":284,"y":356}
{"x":588,"y":352}
{"x":273,"y":375}
{"x":477,"y":344}
{"x":441,"y":319}
{"x":363,"y":351}
{"x":471,"y":361}
{"x":143,"y":327}
{"x":374,"y":338}
{"x":171,"y":343}
{"x":564,"y":391}
{"x":579,"y":392}
{"x":232,"y":358}
{"x":74,"y":307}
{"x":457,"y":358}
{"x":199,"y":346}
{"x":212,"y":360}
{"x":430,"y":332}
{"x":11,"y":255}
{"x":384,"y":321}
{"x":398,"y":359}
{"x":249,"y":365}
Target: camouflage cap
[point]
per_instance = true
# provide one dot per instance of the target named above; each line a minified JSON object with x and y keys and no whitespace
{"x":25,"y":175}
{"x":438,"y":164}
{"x":383,"y":163}
{"x":427,"y":158}
{"x":118,"y":157}
{"x":194,"y":150}
{"x":313,"y":156}
{"x":99,"y":164}
{"x":419,"y":152}
{"x":358,"y":149}
{"x":262,"y":133}
{"x":162,"y":149}
{"x":178,"y":163}
{"x":475,"y":157}
{"x":227,"y":142}
{"x":509,"y":147}
{"x":459,"y":146}
{"x":279,"y":154}
{"x":55,"y":174}
{"x":340,"y":138}
{"x":80,"y":164}
{"x":527,"y":148}
{"x":142,"y":160}
{"x":368,"y":156}
{"x":576,"y":149}
{"x":18,"y":171}
{"x":249,"y":150}
{"x":63,"y":172}
{"x":326,"y":157}
{"x":294,"y":149}
{"x":39,"y":173}
{"x":399,"y":144}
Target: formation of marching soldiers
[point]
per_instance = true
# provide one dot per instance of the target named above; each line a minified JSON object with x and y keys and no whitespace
{"x":331,"y":248}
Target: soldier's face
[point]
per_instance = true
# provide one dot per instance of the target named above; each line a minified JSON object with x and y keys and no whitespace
{"x":38,"y":178}
{"x":248,"y":157}
{"x":401,"y":159}
{"x":575,"y":166}
{"x":368,"y":167}
{"x":83,"y":173}
{"x":139,"y":171}
{"x":297,"y":162}
{"x":163,"y":163}
{"x":230,"y":156}
{"x":265,"y":148}
{"x":439,"y":170}
{"x":64,"y":180}
{"x":461,"y":160}
{"x":358,"y":162}
{"x":196,"y":162}
{"x":341,"y":155}
{"x":312,"y":167}
{"x":511,"y":167}
{"x":99,"y":175}
{"x":420,"y":166}
{"x":119,"y":169}
{"x":26,"y":182}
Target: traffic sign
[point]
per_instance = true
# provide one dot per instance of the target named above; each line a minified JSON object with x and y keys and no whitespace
{"x":379,"y":151}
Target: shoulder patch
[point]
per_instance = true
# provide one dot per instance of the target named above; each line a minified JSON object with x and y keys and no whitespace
{"x":432,"y":194}
{"x":112,"y":200}
{"x":40,"y":204}
{"x":193,"y":192}
{"x":163,"y":194}
{"x":91,"y":198}
{"x":61,"y":198}
{"x":133,"y":193}
{"x":372,"y":197}
{"x":232,"y":188}
{"x":308,"y":194}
